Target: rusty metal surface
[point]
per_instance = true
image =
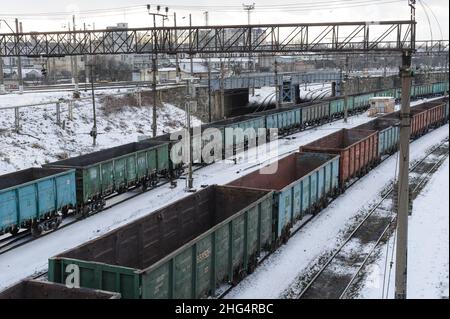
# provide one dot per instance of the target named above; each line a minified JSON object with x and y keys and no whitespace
{"x":147,"y":240}
{"x":340,"y":140}
{"x":378,"y":124}
{"x":357,"y":148}
{"x":33,"y":289}
{"x":286,"y":171}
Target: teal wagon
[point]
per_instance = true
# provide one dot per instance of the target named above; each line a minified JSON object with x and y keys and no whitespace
{"x":35,"y":199}
{"x":302,"y":184}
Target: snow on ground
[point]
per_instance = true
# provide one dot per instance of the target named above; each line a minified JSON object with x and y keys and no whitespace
{"x":32,"y":257}
{"x":325,"y":232}
{"x":16,"y":99}
{"x":428,"y":249}
{"x":41,"y":141}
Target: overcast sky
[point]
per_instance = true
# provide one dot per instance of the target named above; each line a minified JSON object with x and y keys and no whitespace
{"x":47,"y":15}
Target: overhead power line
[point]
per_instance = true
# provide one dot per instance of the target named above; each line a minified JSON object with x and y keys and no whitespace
{"x":295,"y":7}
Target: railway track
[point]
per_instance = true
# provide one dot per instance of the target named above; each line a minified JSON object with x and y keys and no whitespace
{"x":339,"y":273}
{"x":9,"y":243}
{"x":439,"y":150}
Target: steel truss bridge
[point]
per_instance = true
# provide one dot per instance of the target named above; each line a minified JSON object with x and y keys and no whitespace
{"x":345,"y":37}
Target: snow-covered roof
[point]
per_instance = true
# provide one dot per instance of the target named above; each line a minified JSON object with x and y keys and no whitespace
{"x":169,"y":69}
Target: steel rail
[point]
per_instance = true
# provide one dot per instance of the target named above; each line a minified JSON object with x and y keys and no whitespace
{"x":369,"y":254}
{"x":369,"y":214}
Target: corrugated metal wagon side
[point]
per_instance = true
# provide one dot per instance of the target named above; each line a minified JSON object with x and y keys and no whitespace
{"x":302,"y":183}
{"x":115,"y":170}
{"x":358,"y":150}
{"x":315,"y":113}
{"x":248,"y":125}
{"x":285,"y":119}
{"x":435,"y":113}
{"x":34,"y":289}
{"x":388,"y":134}
{"x":185,"y":250}
{"x":35,"y":198}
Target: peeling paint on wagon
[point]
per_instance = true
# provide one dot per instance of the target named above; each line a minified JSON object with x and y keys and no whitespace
{"x":34,"y":289}
{"x":175,"y":252}
{"x":358,"y":150}
{"x":35,"y":195}
{"x":116,"y":169}
{"x":311,"y":176}
{"x":388,"y":133}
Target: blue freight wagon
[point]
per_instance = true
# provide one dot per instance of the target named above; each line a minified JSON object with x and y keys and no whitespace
{"x":36,"y":198}
{"x":302,"y":183}
{"x":388,"y":134}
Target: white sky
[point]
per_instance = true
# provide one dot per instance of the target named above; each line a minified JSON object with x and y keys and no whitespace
{"x":49,"y":15}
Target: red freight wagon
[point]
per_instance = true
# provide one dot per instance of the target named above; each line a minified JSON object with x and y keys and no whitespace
{"x":419,"y":122}
{"x":435,"y":113}
{"x":358,"y":150}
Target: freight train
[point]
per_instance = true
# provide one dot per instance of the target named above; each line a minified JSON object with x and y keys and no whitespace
{"x":39,"y":198}
{"x":200,"y":245}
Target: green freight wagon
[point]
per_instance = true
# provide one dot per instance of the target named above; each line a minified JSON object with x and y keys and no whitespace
{"x":187,"y":249}
{"x":337,"y":107}
{"x":115,"y":170}
{"x":203,"y":138}
{"x":249,"y":125}
{"x":388,"y":134}
{"x":36,"y":289}
{"x":316,"y":113}
{"x":302,"y":183}
{"x":285,"y":119}
{"x":362,"y":101}
{"x":35,"y":199}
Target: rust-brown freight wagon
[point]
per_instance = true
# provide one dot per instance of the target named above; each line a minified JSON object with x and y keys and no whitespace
{"x":435,"y":113}
{"x":35,"y":289}
{"x":418,"y":121}
{"x":358,"y":150}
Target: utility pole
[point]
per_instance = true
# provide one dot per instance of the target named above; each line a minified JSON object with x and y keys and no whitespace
{"x":249,"y":8}
{"x":277,"y":89}
{"x":94,"y":128}
{"x":177,"y":63}
{"x":446,"y":72}
{"x":222,"y":89}
{"x":155,"y":96}
{"x":190,"y":41}
{"x":75,"y":61}
{"x":403,"y":175}
{"x":344,"y":88}
{"x":19,"y":59}
{"x":155,"y":63}
{"x":85,"y":66}
{"x":190,"y":101}
{"x":2,"y":81}
{"x":208,"y":61}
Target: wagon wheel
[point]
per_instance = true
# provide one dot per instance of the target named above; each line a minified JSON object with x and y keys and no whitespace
{"x":14,"y":230}
{"x":64,"y":211}
{"x":144,"y":186}
{"x":36,"y":230}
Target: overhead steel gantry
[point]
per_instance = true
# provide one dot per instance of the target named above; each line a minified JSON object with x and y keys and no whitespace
{"x":377,"y":36}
